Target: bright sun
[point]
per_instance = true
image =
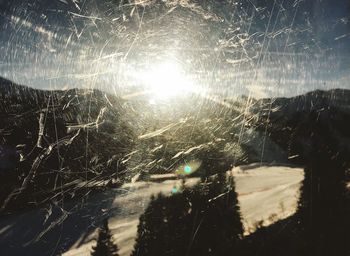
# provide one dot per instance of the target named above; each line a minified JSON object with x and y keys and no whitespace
{"x":166,"y":80}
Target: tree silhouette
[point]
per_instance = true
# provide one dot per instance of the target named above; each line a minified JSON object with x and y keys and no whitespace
{"x":105,"y":245}
{"x":316,"y":129}
{"x":324,"y":207}
{"x":204,"y":220}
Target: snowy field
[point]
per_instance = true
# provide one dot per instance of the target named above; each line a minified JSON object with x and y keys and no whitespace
{"x":266,"y":194}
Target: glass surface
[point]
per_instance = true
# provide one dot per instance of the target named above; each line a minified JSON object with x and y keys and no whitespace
{"x":175,"y":127}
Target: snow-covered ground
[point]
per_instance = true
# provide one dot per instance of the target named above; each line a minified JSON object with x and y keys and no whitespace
{"x":265,"y":193}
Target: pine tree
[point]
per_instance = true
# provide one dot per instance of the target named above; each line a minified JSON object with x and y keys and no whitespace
{"x":220,"y":219}
{"x":204,"y":220}
{"x":323,"y":207}
{"x":105,"y":245}
{"x":151,"y":237}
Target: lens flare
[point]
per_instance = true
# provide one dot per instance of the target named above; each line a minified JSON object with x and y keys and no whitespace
{"x":187,"y":169}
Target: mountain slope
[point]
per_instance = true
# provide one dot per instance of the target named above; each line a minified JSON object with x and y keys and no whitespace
{"x":315,"y":130}
{"x":291,"y":122}
{"x":49,"y":139}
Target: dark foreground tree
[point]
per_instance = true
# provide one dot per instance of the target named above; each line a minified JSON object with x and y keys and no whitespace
{"x":315,"y":129}
{"x":323,"y":212}
{"x":105,"y":245}
{"x":201,"y":221}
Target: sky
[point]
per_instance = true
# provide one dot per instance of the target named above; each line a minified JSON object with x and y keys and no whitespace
{"x":258,"y":47}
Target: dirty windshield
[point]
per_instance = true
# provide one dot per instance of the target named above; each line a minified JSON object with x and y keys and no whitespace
{"x":175,"y":127}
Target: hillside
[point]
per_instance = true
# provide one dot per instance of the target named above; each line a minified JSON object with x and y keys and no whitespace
{"x":297,"y":123}
{"x":52,"y":141}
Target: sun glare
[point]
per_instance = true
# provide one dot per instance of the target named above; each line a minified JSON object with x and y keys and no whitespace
{"x":166,"y":80}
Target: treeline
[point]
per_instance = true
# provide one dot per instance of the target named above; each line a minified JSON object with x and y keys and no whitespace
{"x":206,"y":220}
{"x":199,"y":221}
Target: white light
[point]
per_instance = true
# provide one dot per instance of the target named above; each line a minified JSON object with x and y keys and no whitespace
{"x":166,"y":80}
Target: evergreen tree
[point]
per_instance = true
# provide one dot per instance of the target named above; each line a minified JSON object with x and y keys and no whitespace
{"x":201,"y":221}
{"x":220,"y":228}
{"x":323,"y":208}
{"x":105,"y":245}
{"x":151,"y":237}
